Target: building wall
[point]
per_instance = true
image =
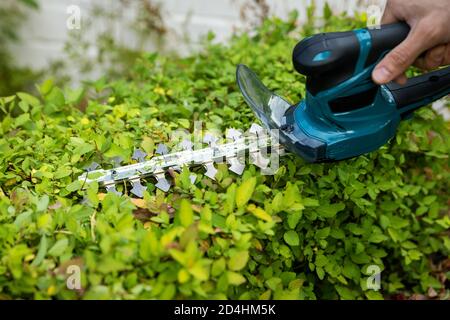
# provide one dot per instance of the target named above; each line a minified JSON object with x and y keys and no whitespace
{"x":45,"y":33}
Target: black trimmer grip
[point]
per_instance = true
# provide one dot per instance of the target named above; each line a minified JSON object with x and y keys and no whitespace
{"x":328,"y":59}
{"x":421,"y":90}
{"x":386,"y":38}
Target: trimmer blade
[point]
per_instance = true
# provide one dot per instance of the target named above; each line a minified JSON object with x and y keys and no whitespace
{"x":233,"y":134}
{"x":92,"y":167}
{"x":112,"y":189}
{"x":211,"y":171}
{"x":139,"y":155}
{"x":162,"y":149}
{"x":186,"y":145}
{"x":162,"y":183}
{"x":117,"y":161}
{"x":138,"y":189}
{"x":259,"y":160}
{"x":236,"y":166}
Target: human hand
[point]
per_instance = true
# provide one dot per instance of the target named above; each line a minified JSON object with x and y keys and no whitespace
{"x":428,"y":43}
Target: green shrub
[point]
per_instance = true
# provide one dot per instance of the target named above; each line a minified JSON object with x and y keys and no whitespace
{"x":310,"y":231}
{"x":12,"y":77}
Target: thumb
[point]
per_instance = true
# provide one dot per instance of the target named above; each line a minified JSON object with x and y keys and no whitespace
{"x":399,"y":59}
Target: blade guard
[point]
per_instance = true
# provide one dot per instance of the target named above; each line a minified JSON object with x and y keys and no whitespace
{"x":276,"y":113}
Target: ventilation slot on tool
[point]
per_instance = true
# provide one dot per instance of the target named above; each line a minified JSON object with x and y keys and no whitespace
{"x":353,"y":102}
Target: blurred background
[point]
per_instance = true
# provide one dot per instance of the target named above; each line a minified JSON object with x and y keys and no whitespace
{"x":75,"y":40}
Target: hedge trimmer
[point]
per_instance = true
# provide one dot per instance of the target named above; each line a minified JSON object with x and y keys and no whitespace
{"x":344,"y":113}
{"x":254,"y":144}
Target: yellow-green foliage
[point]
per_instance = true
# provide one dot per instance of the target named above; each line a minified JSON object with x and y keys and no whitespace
{"x":308,"y":232}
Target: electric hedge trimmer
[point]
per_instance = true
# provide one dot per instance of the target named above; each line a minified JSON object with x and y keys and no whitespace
{"x":344,"y":113}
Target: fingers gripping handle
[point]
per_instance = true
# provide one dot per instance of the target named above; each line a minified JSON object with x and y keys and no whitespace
{"x":421,"y":90}
{"x":386,"y":38}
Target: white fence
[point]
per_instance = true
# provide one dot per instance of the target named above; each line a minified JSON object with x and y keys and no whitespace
{"x":45,"y":32}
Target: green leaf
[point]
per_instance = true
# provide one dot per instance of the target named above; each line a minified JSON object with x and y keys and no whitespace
{"x":309,"y":202}
{"x":373,"y":295}
{"x":235,"y":278}
{"x":323,"y":233}
{"x":259,"y":213}
{"x":330,"y":210}
{"x":42,"y":251}
{"x":321,"y":260}
{"x":238,"y":260}
{"x":218,"y":267}
{"x":291,"y":238}
{"x":294,"y":218}
{"x":291,"y":195}
{"x":75,"y":96}
{"x":230,"y":197}
{"x":42,"y":204}
{"x":377,"y":238}
{"x":149,"y":246}
{"x":199,"y":271}
{"x":148,"y":145}
{"x":345,"y":293}
{"x":46,"y":87}
{"x":62,"y":172}
{"x":244,"y":192}
{"x":320,"y":272}
{"x":24,"y":106}
{"x":74,"y":186}
{"x":59,"y":247}
{"x":22,"y":119}
{"x":56,"y":97}
{"x":28,"y":99}
{"x":327,"y":11}
{"x":186,"y":213}
{"x":273,"y":283}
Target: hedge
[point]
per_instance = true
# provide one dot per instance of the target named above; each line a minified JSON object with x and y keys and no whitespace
{"x":311,"y":231}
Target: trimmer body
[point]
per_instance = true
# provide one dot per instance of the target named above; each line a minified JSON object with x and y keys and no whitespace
{"x":344,"y":113}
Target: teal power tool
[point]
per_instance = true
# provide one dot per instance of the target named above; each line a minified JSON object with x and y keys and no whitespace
{"x":344,"y":113}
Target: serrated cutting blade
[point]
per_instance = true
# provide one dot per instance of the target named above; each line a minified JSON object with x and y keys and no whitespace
{"x":139,"y":155}
{"x":161,"y":182}
{"x":210,"y":139}
{"x":117,"y":161}
{"x":92,"y":167}
{"x":236,"y":166}
{"x":233,"y":152}
{"x":186,"y":145}
{"x":211,"y":171}
{"x":233,"y":134}
{"x":259,"y":160}
{"x":162,"y":149}
{"x":111,"y":188}
{"x":138,"y":189}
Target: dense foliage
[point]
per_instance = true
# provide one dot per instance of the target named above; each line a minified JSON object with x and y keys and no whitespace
{"x":12,"y":77}
{"x":308,"y":232}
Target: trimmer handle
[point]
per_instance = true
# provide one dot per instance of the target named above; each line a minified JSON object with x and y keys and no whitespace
{"x":420,"y":90}
{"x":328,"y":59}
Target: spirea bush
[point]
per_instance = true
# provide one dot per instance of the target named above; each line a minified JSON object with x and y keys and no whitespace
{"x":311,"y":231}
